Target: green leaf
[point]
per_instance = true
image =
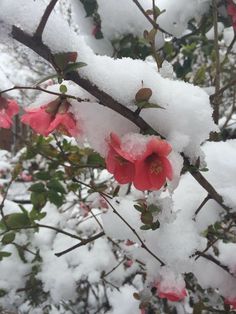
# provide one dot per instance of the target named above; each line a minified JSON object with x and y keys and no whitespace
{"x":155,"y":225}
{"x":36,"y":215}
{"x":74,"y":66}
{"x":17,"y":220}
{"x":8,"y":238}
{"x":95,"y":159}
{"x":56,"y":186}
{"x":146,"y":218}
{"x":43,"y":175}
{"x":37,"y":187}
{"x":38,"y":199}
{"x":145,"y":227}
{"x":55,"y":198}
{"x":139,"y":208}
{"x":4,"y":254}
{"x":63,"y":89}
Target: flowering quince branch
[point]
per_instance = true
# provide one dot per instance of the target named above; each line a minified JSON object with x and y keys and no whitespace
{"x":106,"y":100}
{"x":37,"y":88}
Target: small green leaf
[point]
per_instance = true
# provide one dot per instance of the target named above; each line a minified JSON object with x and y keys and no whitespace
{"x":63,"y":89}
{"x":146,"y":218}
{"x":155,"y":225}
{"x":43,"y":175}
{"x":17,"y":220}
{"x":56,"y":186}
{"x":145,"y":227}
{"x":36,"y":215}
{"x":139,"y":208}
{"x":37,"y":187}
{"x":4,"y":254}
{"x":38,"y":199}
{"x":8,"y":238}
{"x":74,"y":66}
{"x":55,"y":198}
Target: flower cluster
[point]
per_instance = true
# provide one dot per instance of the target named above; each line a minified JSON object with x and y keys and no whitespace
{"x":8,"y":109}
{"x":147,"y":171}
{"x":52,"y":116}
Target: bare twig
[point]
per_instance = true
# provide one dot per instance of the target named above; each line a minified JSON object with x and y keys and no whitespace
{"x":39,"y":31}
{"x":37,"y":88}
{"x":83,"y":242}
{"x":206,"y":199}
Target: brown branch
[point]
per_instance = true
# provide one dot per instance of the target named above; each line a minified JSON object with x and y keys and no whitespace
{"x":39,"y":31}
{"x":215,"y":261}
{"x":83,"y":242}
{"x":37,"y":88}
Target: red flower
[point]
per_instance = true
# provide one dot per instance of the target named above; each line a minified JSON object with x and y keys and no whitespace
{"x":231,"y":301}
{"x":8,"y":108}
{"x":147,"y":171}
{"x":231,"y":10}
{"x":152,"y":168}
{"x":119,"y":162}
{"x":50,"y":117}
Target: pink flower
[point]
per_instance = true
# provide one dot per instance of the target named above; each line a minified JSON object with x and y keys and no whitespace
{"x":173,"y":295}
{"x":231,"y":301}
{"x":147,"y":171}
{"x":51,"y":117}
{"x":231,"y":10}
{"x":119,"y":162}
{"x":153,"y":167}
{"x":8,"y":108}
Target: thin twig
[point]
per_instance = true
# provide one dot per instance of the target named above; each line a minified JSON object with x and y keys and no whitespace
{"x":83,"y":242}
{"x":154,"y":24}
{"x":39,"y":31}
{"x":143,"y":245}
{"x":37,"y":88}
{"x":206,"y":199}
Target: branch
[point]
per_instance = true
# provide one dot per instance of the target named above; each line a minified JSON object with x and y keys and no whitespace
{"x":39,"y":31}
{"x":215,"y":261}
{"x":206,"y":199}
{"x":83,"y":242}
{"x":107,"y":101}
{"x":37,"y":88}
